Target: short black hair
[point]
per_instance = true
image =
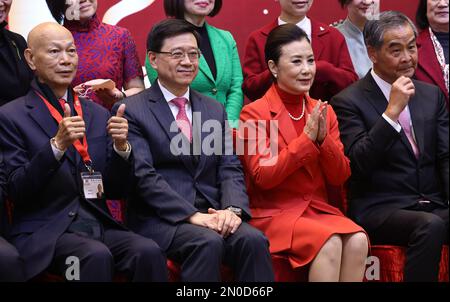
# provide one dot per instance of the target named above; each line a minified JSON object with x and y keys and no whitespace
{"x":374,"y":30}
{"x":166,"y":29}
{"x":57,"y":9}
{"x":344,"y":3}
{"x":421,"y":15}
{"x":175,"y":8}
{"x":280,"y":36}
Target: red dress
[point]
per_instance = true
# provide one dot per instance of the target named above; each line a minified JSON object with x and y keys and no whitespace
{"x":288,"y":197}
{"x":104,"y":52}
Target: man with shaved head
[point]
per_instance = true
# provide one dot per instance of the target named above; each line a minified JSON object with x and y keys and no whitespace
{"x":57,"y":150}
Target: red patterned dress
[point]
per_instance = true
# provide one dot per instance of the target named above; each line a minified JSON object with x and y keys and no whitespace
{"x":105,"y":52}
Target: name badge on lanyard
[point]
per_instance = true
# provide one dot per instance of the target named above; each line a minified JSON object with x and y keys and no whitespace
{"x":92,"y":185}
{"x":92,"y":181}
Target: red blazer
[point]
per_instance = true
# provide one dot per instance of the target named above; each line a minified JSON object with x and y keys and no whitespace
{"x":334,"y":65}
{"x":428,"y":69}
{"x":281,"y":192}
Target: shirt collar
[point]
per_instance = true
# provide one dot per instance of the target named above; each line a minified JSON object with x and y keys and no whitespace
{"x":169,"y":96}
{"x":384,"y":86}
{"x":64,"y":97}
{"x":77,"y":26}
{"x":304,"y":24}
{"x":352,"y":28}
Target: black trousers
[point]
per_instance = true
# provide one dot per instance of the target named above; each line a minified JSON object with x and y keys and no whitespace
{"x":423,"y":228}
{"x":11,"y":265}
{"x":139,"y":258}
{"x":201,"y":252}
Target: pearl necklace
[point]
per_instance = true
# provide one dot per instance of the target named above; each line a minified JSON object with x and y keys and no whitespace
{"x":300,"y":117}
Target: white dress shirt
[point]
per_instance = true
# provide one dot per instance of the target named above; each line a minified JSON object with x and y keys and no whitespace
{"x":305,"y":24}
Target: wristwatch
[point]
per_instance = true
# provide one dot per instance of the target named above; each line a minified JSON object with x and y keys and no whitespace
{"x":237,"y":211}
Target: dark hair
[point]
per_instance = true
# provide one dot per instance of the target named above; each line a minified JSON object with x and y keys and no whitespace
{"x":175,"y":8}
{"x":57,"y":9}
{"x":374,"y":29}
{"x":421,"y":15}
{"x":166,"y":29}
{"x":280,"y":36}
{"x":344,"y":3}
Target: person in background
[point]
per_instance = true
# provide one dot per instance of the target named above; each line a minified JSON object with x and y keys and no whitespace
{"x":105,"y":52}
{"x":432,"y":19}
{"x":395,"y":132}
{"x":352,"y":29}
{"x":288,"y":188}
{"x":334,"y":65}
{"x":15,"y":74}
{"x":220,"y":73}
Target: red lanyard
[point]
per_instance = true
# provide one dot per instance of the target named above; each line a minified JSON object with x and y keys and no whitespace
{"x":82,"y":148}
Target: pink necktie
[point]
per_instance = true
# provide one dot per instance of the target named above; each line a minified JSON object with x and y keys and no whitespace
{"x":405,"y":121}
{"x":182,"y":120}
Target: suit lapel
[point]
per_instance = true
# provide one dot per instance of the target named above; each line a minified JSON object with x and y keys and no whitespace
{"x":280,"y":114}
{"x":379,"y":102}
{"x":317,"y":31}
{"x":164,"y":116}
{"x":199,"y":114}
{"x":219,"y":51}
{"x":40,"y":114}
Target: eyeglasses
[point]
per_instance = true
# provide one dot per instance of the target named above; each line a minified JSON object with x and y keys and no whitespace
{"x":177,"y":54}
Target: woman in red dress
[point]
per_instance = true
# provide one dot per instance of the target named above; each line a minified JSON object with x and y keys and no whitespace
{"x":287,"y":186}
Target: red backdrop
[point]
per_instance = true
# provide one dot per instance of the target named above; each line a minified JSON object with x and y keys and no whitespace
{"x":241,"y":17}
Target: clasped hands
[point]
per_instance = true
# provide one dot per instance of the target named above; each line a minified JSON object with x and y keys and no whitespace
{"x":224,"y":222}
{"x":316,"y":125}
{"x":72,"y":128}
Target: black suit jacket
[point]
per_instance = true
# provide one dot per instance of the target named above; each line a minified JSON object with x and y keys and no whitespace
{"x":47,"y":193}
{"x":15,"y":74}
{"x":167,"y":184}
{"x":3,"y":217}
{"x":385,"y":173}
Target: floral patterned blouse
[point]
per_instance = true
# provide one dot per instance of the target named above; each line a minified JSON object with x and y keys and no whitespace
{"x":105,"y":52}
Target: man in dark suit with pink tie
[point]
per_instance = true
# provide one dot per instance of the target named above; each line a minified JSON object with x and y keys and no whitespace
{"x":192,"y":203}
{"x":395,"y":131}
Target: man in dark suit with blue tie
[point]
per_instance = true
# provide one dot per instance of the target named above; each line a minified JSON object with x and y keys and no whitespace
{"x":395,"y":131}
{"x":57,"y":150}
{"x":192,"y":202}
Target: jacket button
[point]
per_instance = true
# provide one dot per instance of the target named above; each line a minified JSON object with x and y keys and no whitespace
{"x":214,"y":90}
{"x":71,"y":214}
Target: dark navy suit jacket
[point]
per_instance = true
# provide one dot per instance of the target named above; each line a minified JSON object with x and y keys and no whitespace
{"x":385,"y":173}
{"x":167,"y":184}
{"x":47,"y":193}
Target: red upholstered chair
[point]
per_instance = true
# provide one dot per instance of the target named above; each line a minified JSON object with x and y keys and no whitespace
{"x":392,"y":262}
{"x":392,"y":259}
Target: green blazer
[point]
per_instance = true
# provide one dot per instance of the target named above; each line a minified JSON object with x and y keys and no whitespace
{"x":227,"y":87}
